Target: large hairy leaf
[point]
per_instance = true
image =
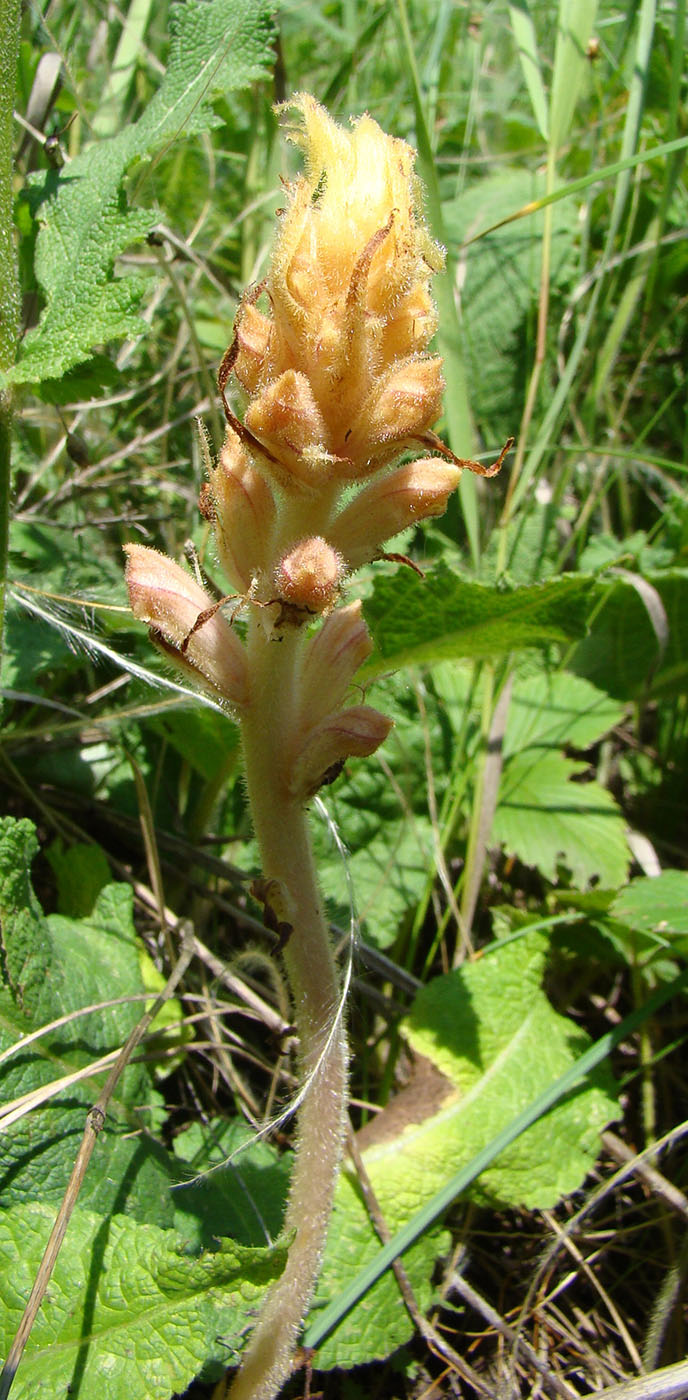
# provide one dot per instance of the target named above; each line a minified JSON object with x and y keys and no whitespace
{"x":217,"y":46}
{"x":422,"y":621}
{"x":129,"y":1316}
{"x":500,"y":275}
{"x":491,"y":1043}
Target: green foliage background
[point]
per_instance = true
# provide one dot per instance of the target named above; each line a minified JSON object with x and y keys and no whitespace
{"x":517,"y":853}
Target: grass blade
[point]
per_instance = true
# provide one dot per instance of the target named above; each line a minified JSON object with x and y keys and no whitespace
{"x":524,"y":34}
{"x":461,"y":431}
{"x":576,"y":19}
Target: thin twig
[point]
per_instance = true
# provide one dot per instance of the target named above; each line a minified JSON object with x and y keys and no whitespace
{"x":95,"y":1120}
{"x":551,"y":1382}
{"x":648,"y":1173}
{"x":670,"y":1383}
{"x":584,"y":1266}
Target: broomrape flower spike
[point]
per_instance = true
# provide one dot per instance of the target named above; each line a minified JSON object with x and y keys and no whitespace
{"x":331,"y":353}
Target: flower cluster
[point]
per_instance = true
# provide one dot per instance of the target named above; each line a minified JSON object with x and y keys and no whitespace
{"x":330,"y":354}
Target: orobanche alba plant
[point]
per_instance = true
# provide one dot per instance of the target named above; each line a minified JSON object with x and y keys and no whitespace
{"x":331,"y":354}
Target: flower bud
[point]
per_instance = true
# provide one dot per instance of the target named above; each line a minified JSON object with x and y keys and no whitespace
{"x":165,"y":596}
{"x":412,"y":325}
{"x":403,"y":404}
{"x":286,"y":418}
{"x":356,"y":732}
{"x":253,"y":331}
{"x":309,"y":576}
{"x":403,"y":497}
{"x":243,"y":514}
{"x":332,"y":659}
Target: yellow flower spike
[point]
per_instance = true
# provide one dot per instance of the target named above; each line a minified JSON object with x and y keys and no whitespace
{"x":338,"y":349}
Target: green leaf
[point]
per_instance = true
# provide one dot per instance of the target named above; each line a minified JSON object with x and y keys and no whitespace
{"x":380,"y":1322}
{"x":85,"y":227}
{"x":550,"y":711}
{"x":51,"y":967}
{"x":31,"y":654}
{"x":491,"y":1042}
{"x":575,"y":23}
{"x":622,"y":654}
{"x":239,"y":1187}
{"x":128,"y":1316}
{"x":81,"y":871}
{"x":500,"y":280}
{"x":524,"y":33}
{"x":490,"y":1029}
{"x":546,"y":819}
{"x":204,"y":738}
{"x":216,"y":47}
{"x":656,"y":906}
{"x":25,"y":954}
{"x":246,"y":1197}
{"x":420,"y":621}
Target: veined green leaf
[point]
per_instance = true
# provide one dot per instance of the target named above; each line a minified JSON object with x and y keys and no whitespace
{"x":622,"y":654}
{"x":420,"y":621}
{"x":551,"y":711}
{"x":217,"y":46}
{"x":130,"y":1316}
{"x":491,"y":1042}
{"x":656,"y":905}
{"x":546,"y":818}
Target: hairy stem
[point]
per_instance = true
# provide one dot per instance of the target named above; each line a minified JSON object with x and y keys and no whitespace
{"x":282,"y":832}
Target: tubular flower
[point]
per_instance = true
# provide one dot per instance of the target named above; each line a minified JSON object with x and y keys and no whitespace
{"x":166,"y":597}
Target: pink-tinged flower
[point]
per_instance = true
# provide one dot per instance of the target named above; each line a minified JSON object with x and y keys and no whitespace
{"x":309,"y":576}
{"x":332,"y":658}
{"x":353,"y":733}
{"x":187,"y":623}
